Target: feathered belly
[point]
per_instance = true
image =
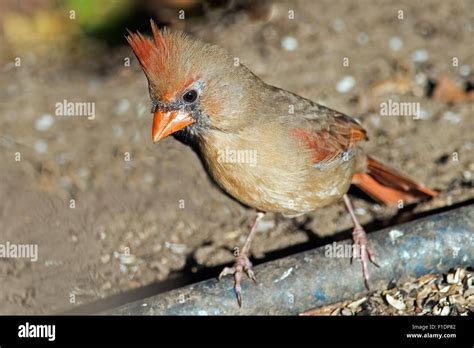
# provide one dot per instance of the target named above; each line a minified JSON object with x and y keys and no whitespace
{"x":288,"y":191}
{"x":279,"y":176}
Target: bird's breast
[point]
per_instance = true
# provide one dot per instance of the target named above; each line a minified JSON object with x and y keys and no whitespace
{"x":273,"y":173}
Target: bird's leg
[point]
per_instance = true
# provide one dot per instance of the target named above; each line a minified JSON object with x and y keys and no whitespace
{"x":242,"y":262}
{"x":360,"y":243}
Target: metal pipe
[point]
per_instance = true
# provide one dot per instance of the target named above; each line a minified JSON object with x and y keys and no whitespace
{"x":311,"y":279}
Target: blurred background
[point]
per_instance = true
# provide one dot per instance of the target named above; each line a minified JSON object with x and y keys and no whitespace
{"x":110,"y":212}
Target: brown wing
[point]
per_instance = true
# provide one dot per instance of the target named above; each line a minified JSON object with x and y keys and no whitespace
{"x":329,"y":134}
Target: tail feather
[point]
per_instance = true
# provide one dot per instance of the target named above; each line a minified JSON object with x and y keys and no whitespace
{"x":387,"y":186}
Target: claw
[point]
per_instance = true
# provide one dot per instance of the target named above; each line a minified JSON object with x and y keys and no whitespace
{"x":239,"y":298}
{"x":242,"y":262}
{"x":242,"y":265}
{"x":250,"y":274}
{"x":363,"y":252}
{"x":371,"y":256}
{"x":360,"y":243}
{"x":226,"y":271}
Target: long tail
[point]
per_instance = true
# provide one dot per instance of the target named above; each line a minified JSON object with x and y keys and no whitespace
{"x":387,"y":186}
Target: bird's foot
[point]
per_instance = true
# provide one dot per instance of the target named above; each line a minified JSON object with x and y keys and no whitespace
{"x":362,"y":250}
{"x":242,"y":265}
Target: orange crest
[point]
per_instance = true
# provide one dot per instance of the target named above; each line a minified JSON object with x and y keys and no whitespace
{"x":159,"y":58}
{"x":151,"y":54}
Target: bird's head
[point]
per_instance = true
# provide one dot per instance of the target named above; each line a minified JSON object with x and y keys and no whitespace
{"x":194,"y":87}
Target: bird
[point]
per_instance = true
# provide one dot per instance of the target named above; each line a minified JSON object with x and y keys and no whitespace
{"x":270,"y":149}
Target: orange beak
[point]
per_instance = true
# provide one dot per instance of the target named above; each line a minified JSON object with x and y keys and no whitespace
{"x":167,"y":123}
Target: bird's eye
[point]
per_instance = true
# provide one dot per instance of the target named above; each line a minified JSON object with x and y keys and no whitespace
{"x":190,"y":96}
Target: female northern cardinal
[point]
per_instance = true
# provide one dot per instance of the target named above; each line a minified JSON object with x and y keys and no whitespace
{"x":305,"y":154}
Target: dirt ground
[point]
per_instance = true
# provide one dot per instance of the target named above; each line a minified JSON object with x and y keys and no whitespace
{"x":156,"y":200}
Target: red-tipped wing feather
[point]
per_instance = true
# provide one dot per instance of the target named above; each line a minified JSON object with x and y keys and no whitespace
{"x":341,"y":135}
{"x":380,"y":182}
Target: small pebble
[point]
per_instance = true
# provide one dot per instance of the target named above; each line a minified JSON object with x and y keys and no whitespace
{"x":61,"y":159}
{"x":102,"y":235}
{"x":357,"y":303}
{"x":265,"y":226}
{"x":467,"y":175}
{"x":375,"y":120}
{"x":397,"y":304}
{"x":362,"y":38}
{"x":289,"y":43}
{"x":419,"y":56}
{"x":445,"y":311}
{"x":454,"y":278}
{"x":176,"y":248}
{"x":117,"y":130}
{"x":346,"y":312}
{"x":444,"y":289}
{"x":436,"y":310}
{"x":52,"y":263}
{"x":420,"y":79}
{"x":423,"y":114}
{"x":44,"y":122}
{"x":464,"y":70}
{"x":122,"y":106}
{"x":449,"y":200}
{"x":345,"y":84}
{"x":41,"y":146}
{"x":452,"y":117}
{"x":395,"y":43}
{"x":338,"y":24}
{"x":395,"y":234}
{"x":127,"y":259}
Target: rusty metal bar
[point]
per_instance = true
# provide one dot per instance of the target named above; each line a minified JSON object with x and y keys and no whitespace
{"x":311,"y":279}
